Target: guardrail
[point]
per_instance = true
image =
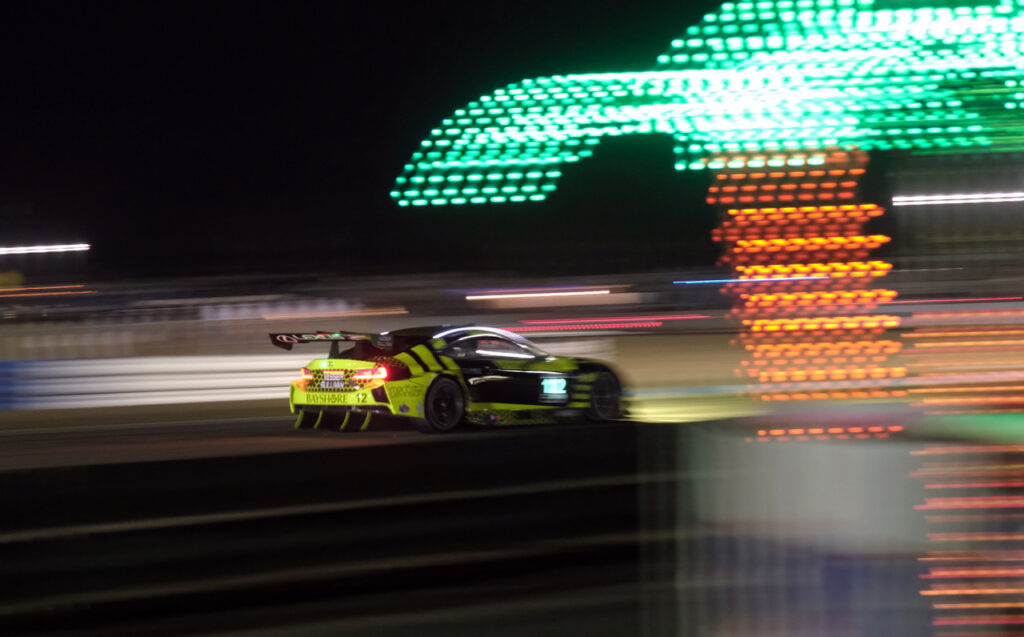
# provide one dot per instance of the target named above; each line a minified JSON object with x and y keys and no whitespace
{"x":150,"y":380}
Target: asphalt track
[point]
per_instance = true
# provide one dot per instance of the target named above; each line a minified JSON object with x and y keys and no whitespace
{"x":249,"y":527}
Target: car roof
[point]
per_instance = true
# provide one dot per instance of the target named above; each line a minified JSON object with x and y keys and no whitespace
{"x":453,"y":332}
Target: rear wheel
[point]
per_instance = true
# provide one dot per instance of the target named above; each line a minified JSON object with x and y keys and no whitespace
{"x":445,"y":405}
{"x":605,"y":398}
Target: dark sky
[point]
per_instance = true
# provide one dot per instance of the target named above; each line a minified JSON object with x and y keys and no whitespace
{"x":218,"y":137}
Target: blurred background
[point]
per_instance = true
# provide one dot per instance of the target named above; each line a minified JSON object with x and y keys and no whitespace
{"x":179,"y":180}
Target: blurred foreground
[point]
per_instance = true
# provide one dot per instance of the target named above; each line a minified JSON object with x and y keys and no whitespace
{"x":158,"y":488}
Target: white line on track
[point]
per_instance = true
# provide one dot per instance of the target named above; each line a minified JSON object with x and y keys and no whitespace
{"x":327,"y":571}
{"x":150,"y":524}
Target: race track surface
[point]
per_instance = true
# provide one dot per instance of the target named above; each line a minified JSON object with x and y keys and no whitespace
{"x":248,"y":527}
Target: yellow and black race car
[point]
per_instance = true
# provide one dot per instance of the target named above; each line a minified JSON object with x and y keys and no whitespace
{"x":442,"y":377}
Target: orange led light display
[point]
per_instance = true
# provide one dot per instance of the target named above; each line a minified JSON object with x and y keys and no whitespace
{"x":823,"y":348}
{"x":854,"y":324}
{"x":828,"y":373}
{"x":837,"y":270}
{"x":816,"y":301}
{"x":746,"y":251}
{"x":797,"y":234}
{"x":825,"y":433}
{"x":781,"y":223}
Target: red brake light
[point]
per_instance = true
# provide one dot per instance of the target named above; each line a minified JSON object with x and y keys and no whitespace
{"x":306,"y":374}
{"x":376,"y":373}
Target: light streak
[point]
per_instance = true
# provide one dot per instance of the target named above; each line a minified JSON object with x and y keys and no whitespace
{"x":973,"y":517}
{"x":959,"y":313}
{"x":979,"y":620}
{"x":981,"y":400}
{"x":988,"y":588}
{"x":961,"y":412}
{"x":978,"y":605}
{"x":979,"y":502}
{"x":1004,"y":470}
{"x":499,"y":354}
{"x":480,"y":328}
{"x":976,"y":536}
{"x":667,"y":317}
{"x":980,"y":572}
{"x":43,"y":287}
{"x":43,"y":249}
{"x":950,"y":390}
{"x":14,"y":296}
{"x":940,"y":451}
{"x":585,"y":326}
{"x":969,"y":556}
{"x":980,"y":197}
{"x":965,"y":331}
{"x":976,"y":300}
{"x":966,"y":343}
{"x":976,"y":485}
{"x":524,"y":295}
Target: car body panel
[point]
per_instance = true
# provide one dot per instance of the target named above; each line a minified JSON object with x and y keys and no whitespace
{"x":505,"y":378}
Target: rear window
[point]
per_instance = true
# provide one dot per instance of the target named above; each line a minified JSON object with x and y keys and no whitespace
{"x":402,"y":342}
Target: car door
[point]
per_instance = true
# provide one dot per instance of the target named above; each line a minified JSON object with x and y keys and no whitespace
{"x":498,"y":370}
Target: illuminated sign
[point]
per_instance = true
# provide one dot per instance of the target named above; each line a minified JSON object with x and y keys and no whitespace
{"x":773,"y":84}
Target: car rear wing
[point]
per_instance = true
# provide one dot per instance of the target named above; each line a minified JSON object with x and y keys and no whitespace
{"x":286,"y":341}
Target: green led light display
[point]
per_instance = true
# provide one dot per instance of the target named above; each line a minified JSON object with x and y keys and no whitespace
{"x":769,"y":83}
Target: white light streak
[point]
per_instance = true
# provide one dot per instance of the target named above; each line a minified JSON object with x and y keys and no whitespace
{"x":978,"y":197}
{"x":480,"y":328}
{"x":499,"y":354}
{"x":482,"y":297}
{"x":59,"y":247}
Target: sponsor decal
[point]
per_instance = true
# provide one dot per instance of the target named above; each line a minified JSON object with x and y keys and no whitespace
{"x":553,"y":385}
{"x":335,"y":384}
{"x":404,"y":391}
{"x":322,"y":336}
{"x":338,"y":399}
{"x":404,"y":409}
{"x":553,"y":390}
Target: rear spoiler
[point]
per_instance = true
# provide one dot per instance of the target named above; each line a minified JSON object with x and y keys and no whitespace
{"x":286,"y":341}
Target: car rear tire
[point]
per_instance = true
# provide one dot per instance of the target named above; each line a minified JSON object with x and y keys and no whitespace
{"x":605,"y":398}
{"x":445,"y":405}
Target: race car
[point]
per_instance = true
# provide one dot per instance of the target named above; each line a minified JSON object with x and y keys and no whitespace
{"x":444,"y":377}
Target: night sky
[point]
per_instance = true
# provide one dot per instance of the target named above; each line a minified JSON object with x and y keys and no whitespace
{"x":215,"y":138}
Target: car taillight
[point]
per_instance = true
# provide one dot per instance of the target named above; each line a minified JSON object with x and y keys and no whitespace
{"x":306,"y":374}
{"x":376,"y":373}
